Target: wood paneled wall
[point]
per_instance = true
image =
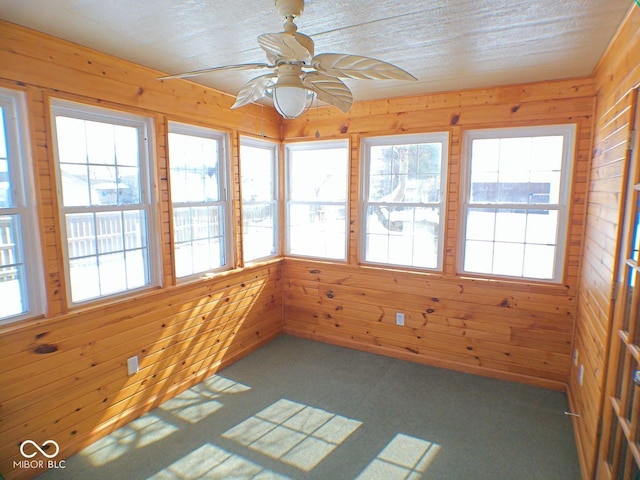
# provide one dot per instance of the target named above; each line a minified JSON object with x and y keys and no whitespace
{"x":618,"y":73}
{"x":64,"y":376}
{"x":507,"y":329}
{"x":182,"y":333}
{"x":515,"y":332}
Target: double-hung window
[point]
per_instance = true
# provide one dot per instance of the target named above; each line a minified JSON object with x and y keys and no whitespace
{"x":317,"y":192}
{"x":198,"y":179}
{"x":259,"y":190}
{"x":404,"y":200}
{"x":20,"y":277}
{"x":107,"y":212}
{"x":515,"y":201}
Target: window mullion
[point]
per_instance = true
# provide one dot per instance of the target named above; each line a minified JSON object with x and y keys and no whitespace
{"x":516,"y":206}
{"x":17,"y":210}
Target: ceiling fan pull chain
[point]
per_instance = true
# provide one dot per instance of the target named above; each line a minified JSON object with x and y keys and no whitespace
{"x":317,"y":121}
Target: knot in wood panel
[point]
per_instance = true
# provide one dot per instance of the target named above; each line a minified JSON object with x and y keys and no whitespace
{"x":504,"y":303}
{"x":45,"y":348}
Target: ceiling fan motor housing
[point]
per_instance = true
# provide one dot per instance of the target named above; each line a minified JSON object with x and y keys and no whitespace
{"x":289,"y":76}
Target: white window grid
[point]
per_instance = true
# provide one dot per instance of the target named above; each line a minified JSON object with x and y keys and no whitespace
{"x":320,"y":231}
{"x":418,"y":244}
{"x":560,"y":208}
{"x":202,"y":228}
{"x":260,"y":217}
{"x":139,"y":247}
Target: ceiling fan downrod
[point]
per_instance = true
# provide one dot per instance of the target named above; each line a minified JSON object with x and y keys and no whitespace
{"x":290,"y":10}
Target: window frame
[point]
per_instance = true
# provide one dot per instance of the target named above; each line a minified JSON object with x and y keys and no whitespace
{"x":568,"y":131}
{"x":22,"y":183}
{"x":149,"y":202}
{"x":224,"y":168}
{"x":316,"y":145}
{"x":442,"y":137}
{"x":274,"y":148}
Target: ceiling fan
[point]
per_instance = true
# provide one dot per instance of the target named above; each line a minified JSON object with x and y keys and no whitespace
{"x":296,"y":75}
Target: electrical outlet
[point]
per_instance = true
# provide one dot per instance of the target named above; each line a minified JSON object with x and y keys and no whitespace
{"x":399,"y":318}
{"x":132,"y":365}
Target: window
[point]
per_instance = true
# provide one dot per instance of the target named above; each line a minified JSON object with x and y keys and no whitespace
{"x":197,"y":161}
{"x":515,"y":201}
{"x":258,"y":171}
{"x":20,"y":277}
{"x":317,"y":192}
{"x":106,"y":200}
{"x":404,"y":198}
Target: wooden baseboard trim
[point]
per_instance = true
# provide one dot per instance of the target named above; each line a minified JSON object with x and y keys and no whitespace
{"x":584,"y":468}
{"x":431,"y":361}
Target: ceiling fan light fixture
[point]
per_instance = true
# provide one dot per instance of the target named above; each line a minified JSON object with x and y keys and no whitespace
{"x":290,"y":97}
{"x":298,"y":75}
{"x":291,"y":102}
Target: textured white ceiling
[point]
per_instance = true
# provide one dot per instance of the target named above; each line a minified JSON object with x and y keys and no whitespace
{"x":446,"y":44}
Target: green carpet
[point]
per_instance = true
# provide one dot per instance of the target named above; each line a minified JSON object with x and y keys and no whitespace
{"x":297,"y":409}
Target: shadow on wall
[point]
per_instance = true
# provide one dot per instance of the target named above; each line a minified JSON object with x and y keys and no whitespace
{"x":79,"y":390}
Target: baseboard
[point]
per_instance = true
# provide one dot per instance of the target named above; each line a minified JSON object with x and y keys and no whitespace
{"x":429,"y":360}
{"x":584,"y":466}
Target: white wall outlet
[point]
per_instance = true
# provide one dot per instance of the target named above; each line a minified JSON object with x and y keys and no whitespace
{"x":580,"y":374}
{"x":399,"y":318}
{"x":132,"y":365}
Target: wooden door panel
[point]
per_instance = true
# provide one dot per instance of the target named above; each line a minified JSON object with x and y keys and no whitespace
{"x":619,"y":453}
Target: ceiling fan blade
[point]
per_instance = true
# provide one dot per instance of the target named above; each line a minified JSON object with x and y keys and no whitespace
{"x":355,"y":66}
{"x":253,"y":90}
{"x":284,"y":46}
{"x":195,"y":73}
{"x":329,"y":89}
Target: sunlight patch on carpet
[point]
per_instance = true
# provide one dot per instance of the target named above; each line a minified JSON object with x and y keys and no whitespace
{"x":139,"y":433}
{"x":211,"y":462}
{"x":294,"y":433}
{"x":404,"y":457}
